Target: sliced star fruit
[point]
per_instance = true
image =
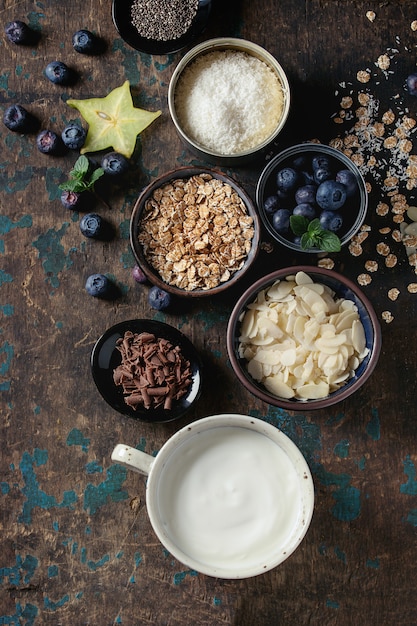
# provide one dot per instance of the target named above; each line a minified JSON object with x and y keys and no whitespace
{"x":113,"y":121}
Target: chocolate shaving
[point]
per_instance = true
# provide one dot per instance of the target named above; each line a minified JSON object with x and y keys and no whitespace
{"x":153,"y":372}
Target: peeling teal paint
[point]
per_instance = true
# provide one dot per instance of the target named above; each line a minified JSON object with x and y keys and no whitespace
{"x":341,"y":449}
{"x":217,"y":601}
{"x":412,"y":517}
{"x":55,"y":526}
{"x":21,"y":573}
{"x":410,"y":487}
{"x":332,"y":604}
{"x":6,"y":357}
{"x":76,"y":438}
{"x":53,"y":178}
{"x":7,"y":225}
{"x":109,"y":490}
{"x":93,"y":468}
{"x":373,"y":428}
{"x":340,"y":554}
{"x":129,"y":62}
{"x":138,"y":559}
{"x":20,"y":179}
{"x":180,"y":576}
{"x":35,"y":497}
{"x":24,"y":616}
{"x":5,"y":277}
{"x":95,"y":565}
{"x":4,"y":488}
{"x":53,"y":571}
{"x":53,"y":606}
{"x":51,"y":252}
{"x":7,"y":310}
{"x":373,"y":563}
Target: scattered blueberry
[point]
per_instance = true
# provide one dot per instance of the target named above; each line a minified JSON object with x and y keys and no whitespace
{"x":348,"y":179}
{"x":17,"y":119}
{"x":74,"y":136}
{"x":281,"y":220}
{"x":114,"y":164}
{"x":331,"y":195}
{"x":271,"y":204}
{"x":306,"y":193}
{"x":59,"y":73}
{"x":138,"y":275}
{"x":85,"y":42}
{"x":412,"y":84}
{"x":94,"y":226}
{"x":158,"y":298}
{"x":75,"y":200}
{"x":287,"y":179}
{"x":99,"y":286}
{"x":331,"y":220}
{"x":19,"y":32}
{"x":306,"y":210}
{"x":49,"y":142}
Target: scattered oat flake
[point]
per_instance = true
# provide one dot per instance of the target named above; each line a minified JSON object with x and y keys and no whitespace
{"x":393,"y":294}
{"x":383,"y":249}
{"x":382,"y":208}
{"x":326,"y":263}
{"x":364,"y":279}
{"x":363,"y":76}
{"x":387,"y":316}
{"x":412,"y":288}
{"x":413,"y":25}
{"x":371,"y":15}
{"x":383,"y":62}
{"x":371,"y":266}
{"x":355,"y":248}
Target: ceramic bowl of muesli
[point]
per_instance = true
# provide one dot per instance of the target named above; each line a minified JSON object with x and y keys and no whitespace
{"x":303,"y":338}
{"x":312,"y":198}
{"x":194,"y":232}
{"x":229,"y":99}
{"x":147,"y":370}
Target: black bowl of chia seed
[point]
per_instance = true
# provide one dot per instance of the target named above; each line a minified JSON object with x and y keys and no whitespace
{"x":170,"y":26}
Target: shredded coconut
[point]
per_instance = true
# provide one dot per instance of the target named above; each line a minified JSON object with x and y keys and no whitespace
{"x":229,"y":101}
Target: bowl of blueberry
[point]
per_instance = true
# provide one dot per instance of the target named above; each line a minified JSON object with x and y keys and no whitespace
{"x":312,"y":198}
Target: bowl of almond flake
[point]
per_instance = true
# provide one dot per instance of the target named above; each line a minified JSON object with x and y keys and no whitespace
{"x":228,"y":99}
{"x":303,"y":338}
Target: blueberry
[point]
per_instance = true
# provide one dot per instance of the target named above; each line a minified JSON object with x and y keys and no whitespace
{"x":94,"y":226}
{"x":300,"y":162}
{"x":281,"y":220}
{"x":287,"y":179}
{"x":138,"y":275}
{"x":75,"y":200}
{"x":321,"y":174}
{"x":99,"y":286}
{"x":159,"y":298}
{"x":114,"y":164}
{"x":19,"y":32}
{"x":331,"y":220}
{"x":331,"y":195}
{"x":85,"y":42}
{"x":74,"y":136}
{"x":59,"y":73}
{"x":306,"y":210}
{"x":49,"y":142}
{"x":271,"y":204}
{"x":320,"y":161}
{"x":348,"y":179}
{"x":307,"y":193}
{"x":412,"y":84}
{"x":17,"y":119}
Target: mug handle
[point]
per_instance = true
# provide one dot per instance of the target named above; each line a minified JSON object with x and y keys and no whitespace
{"x":133,"y":459}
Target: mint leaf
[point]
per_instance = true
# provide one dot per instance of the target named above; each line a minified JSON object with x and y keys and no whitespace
{"x":330,"y":242}
{"x":73,"y":185}
{"x":98,"y":173}
{"x":299,"y":224}
{"x":81,"y":167}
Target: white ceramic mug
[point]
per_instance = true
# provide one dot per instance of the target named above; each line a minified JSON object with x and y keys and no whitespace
{"x":229,"y":496}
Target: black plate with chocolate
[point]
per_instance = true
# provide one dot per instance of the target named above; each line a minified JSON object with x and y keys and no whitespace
{"x":107,"y":358}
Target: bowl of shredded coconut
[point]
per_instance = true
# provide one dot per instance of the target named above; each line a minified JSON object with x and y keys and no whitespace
{"x":303,"y":338}
{"x":229,"y":99}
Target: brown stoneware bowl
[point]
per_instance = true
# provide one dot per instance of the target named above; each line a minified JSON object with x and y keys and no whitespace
{"x":342,"y":288}
{"x":213,"y":258}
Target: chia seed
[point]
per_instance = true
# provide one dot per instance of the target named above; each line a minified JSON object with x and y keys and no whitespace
{"x":163,"y":20}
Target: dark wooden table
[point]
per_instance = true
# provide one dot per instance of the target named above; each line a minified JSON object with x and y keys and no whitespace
{"x":76,"y":543}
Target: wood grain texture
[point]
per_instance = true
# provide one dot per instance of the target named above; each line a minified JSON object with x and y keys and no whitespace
{"x":76,"y":543}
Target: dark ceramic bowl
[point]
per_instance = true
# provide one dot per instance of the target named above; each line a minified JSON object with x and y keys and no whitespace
{"x":343,"y":288}
{"x":121,"y":13}
{"x":353,"y":211}
{"x":227,"y":44}
{"x":105,"y":357}
{"x":135,"y":226}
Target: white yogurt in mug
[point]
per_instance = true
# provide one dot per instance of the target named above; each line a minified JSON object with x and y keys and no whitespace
{"x":229,"y":496}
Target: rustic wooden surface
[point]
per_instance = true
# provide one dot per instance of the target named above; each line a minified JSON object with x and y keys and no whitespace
{"x":76,"y":543}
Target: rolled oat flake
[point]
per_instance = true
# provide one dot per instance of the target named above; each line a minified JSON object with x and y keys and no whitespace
{"x":163,"y":20}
